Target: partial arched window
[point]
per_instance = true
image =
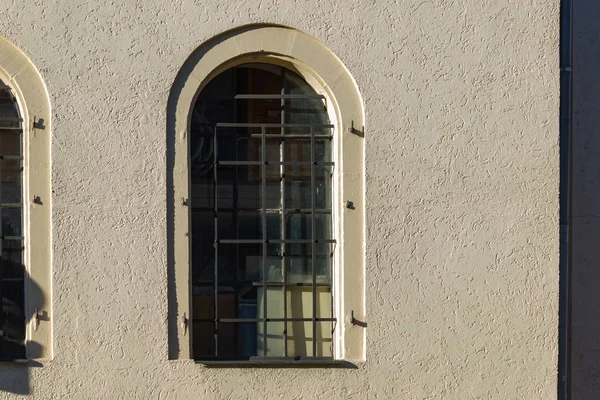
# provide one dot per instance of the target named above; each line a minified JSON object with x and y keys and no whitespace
{"x":25,"y":236}
{"x":12,"y":269}
{"x":268,"y":164}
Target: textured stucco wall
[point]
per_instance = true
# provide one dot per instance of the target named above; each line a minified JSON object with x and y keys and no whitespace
{"x":461,"y":103}
{"x":585,"y":306}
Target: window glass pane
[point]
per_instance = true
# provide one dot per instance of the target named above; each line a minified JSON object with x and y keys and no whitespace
{"x":10,"y":142}
{"x":299,"y":262}
{"x":249,"y":261}
{"x":239,"y":187}
{"x":12,"y":267}
{"x":274,"y":339}
{"x":323,"y":195}
{"x":297,"y":188}
{"x":202,"y":193}
{"x":11,"y":222}
{"x":273,"y":186}
{"x":274,"y":300}
{"x":300,"y":339}
{"x":13,"y":302}
{"x":250,"y":226}
{"x":299,"y":226}
{"x":298,"y":149}
{"x":202,"y":246}
{"x":8,"y":107}
{"x":203,"y":337}
{"x":247,"y":331}
{"x":250,"y":266}
{"x":299,"y":302}
{"x":10,"y":181}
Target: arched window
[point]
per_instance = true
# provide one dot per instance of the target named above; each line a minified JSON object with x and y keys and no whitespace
{"x":25,"y":200}
{"x":266,"y":202}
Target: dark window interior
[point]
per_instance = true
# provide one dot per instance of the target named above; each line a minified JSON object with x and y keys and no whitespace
{"x":261,"y":217}
{"x":12,"y":270}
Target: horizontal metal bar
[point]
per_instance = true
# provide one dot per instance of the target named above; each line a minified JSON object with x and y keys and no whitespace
{"x":269,"y":136}
{"x":11,"y":158}
{"x":250,"y":125}
{"x":289,"y":136}
{"x":269,"y":283}
{"x":10,"y":128}
{"x":13,"y":360}
{"x":13,"y":119}
{"x":11,"y":205}
{"x":299,"y":358}
{"x":238,"y":163}
{"x":255,"y":210}
{"x":285,"y":241}
{"x":12,"y":237}
{"x":274,"y":163}
{"x":242,"y":320}
{"x":279,"y":97}
{"x":288,"y":284}
{"x":239,"y":241}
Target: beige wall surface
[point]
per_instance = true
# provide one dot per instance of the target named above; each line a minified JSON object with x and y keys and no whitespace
{"x":461,"y":152}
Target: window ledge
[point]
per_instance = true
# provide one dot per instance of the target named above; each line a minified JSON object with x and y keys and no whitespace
{"x":278,"y":362}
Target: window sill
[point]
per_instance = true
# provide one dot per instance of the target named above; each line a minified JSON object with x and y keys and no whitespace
{"x":278,"y":362}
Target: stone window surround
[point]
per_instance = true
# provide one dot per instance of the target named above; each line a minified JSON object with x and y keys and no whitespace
{"x":17,"y":71}
{"x":324,"y":72}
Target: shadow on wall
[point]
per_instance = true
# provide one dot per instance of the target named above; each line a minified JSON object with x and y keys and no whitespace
{"x":585,"y":203}
{"x":14,"y":376}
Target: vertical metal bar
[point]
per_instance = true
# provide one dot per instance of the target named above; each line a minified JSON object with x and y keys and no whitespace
{"x":24,"y":232}
{"x":216,"y":244}
{"x":313,"y":237}
{"x":283,"y":227}
{"x":236,"y":177}
{"x":1,"y":268}
{"x":236,"y":221}
{"x":565,"y":193}
{"x":264,"y":232}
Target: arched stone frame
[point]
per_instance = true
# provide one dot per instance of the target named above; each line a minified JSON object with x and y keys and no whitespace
{"x":326,"y":74}
{"x":17,"y":71}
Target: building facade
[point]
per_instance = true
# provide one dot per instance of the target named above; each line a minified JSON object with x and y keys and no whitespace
{"x":422,"y":263}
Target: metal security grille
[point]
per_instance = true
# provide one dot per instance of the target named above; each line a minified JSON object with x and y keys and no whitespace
{"x":313,"y":241}
{"x":286,"y":220}
{"x":12,"y":271}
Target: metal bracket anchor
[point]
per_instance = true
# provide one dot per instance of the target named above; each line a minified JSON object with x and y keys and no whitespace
{"x":185,"y":324}
{"x":355,"y":131}
{"x":354,"y":321}
{"x":38,"y":317}
{"x":39,"y":124}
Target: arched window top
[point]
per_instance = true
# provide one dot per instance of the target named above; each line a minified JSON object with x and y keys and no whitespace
{"x":268,"y":62}
{"x":9,"y":110}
